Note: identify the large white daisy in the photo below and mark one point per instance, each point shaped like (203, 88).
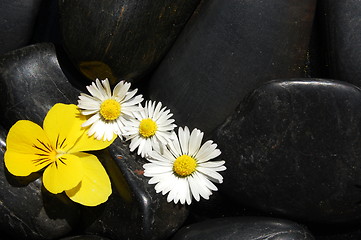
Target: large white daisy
(108, 111)
(183, 168)
(150, 127)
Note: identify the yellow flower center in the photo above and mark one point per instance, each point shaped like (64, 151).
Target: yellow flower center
(184, 166)
(53, 156)
(110, 109)
(147, 127)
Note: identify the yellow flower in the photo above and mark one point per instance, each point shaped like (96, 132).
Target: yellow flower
(58, 148)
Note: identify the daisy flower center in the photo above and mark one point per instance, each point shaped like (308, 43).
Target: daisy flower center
(147, 127)
(184, 166)
(110, 109)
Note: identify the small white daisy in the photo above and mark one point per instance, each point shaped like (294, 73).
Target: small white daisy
(183, 168)
(150, 127)
(109, 111)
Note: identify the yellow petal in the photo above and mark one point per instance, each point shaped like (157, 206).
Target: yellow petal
(20, 164)
(95, 188)
(63, 123)
(27, 148)
(64, 174)
(89, 143)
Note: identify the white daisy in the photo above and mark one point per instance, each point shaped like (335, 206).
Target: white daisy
(150, 127)
(183, 168)
(109, 111)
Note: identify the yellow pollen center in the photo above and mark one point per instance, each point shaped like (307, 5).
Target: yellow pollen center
(147, 127)
(184, 166)
(110, 109)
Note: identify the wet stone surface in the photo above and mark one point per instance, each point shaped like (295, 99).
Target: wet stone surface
(227, 49)
(32, 81)
(341, 24)
(121, 39)
(298, 141)
(85, 237)
(244, 228)
(17, 19)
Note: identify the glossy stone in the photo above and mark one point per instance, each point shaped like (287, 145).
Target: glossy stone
(31, 82)
(317, 65)
(243, 228)
(337, 232)
(85, 237)
(134, 210)
(121, 39)
(292, 148)
(27, 210)
(17, 19)
(218, 205)
(341, 24)
(226, 50)
(47, 24)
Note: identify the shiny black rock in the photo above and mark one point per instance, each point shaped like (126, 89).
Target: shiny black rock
(121, 39)
(292, 148)
(17, 20)
(226, 50)
(340, 24)
(85, 237)
(31, 82)
(244, 228)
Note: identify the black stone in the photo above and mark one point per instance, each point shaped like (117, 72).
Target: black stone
(27, 210)
(244, 228)
(17, 19)
(85, 237)
(217, 206)
(341, 24)
(134, 210)
(121, 39)
(336, 232)
(47, 24)
(226, 50)
(31, 82)
(292, 148)
(317, 65)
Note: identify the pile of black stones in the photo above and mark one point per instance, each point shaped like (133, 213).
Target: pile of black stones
(274, 83)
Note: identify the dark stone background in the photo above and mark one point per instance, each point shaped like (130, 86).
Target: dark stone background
(274, 83)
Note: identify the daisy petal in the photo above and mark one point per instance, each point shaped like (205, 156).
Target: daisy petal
(194, 188)
(121, 89)
(91, 120)
(202, 189)
(184, 139)
(213, 174)
(195, 141)
(106, 86)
